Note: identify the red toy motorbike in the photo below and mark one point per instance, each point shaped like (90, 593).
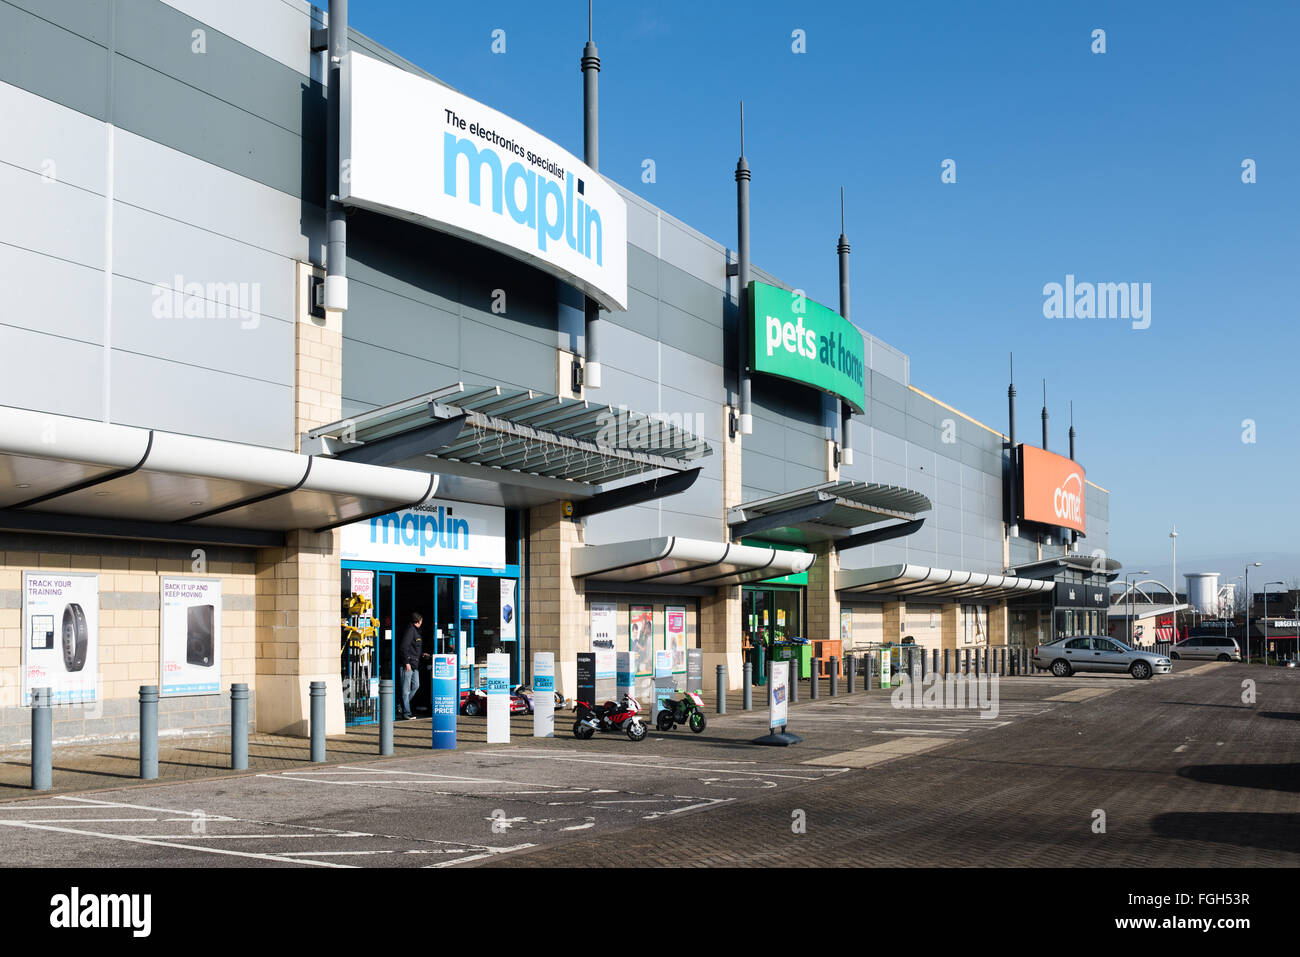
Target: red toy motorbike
(610, 717)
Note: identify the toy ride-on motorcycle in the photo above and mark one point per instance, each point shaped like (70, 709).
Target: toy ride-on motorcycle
(686, 707)
(610, 716)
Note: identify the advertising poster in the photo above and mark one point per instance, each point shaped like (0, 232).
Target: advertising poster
(509, 629)
(468, 596)
(640, 638)
(544, 694)
(61, 635)
(497, 687)
(886, 658)
(623, 676)
(676, 621)
(846, 625)
(604, 621)
(191, 636)
(446, 702)
(780, 694)
(665, 685)
(363, 585)
(606, 683)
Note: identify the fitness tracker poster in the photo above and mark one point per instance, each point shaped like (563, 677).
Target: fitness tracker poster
(604, 621)
(61, 635)
(191, 636)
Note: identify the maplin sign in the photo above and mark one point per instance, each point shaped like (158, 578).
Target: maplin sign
(443, 533)
(795, 338)
(415, 149)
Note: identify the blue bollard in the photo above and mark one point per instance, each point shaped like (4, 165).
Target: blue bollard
(149, 732)
(239, 727)
(318, 722)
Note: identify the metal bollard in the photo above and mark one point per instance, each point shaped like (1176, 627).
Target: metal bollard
(42, 740)
(921, 653)
(852, 673)
(318, 722)
(722, 689)
(815, 679)
(946, 656)
(149, 732)
(239, 727)
(966, 669)
(387, 692)
(934, 661)
(835, 676)
(747, 694)
(794, 680)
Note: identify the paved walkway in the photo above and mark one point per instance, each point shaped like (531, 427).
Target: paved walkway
(88, 767)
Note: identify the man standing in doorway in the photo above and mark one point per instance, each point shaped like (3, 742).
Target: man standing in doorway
(409, 656)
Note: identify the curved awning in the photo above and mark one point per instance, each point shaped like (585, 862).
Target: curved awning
(830, 511)
(54, 468)
(943, 584)
(685, 561)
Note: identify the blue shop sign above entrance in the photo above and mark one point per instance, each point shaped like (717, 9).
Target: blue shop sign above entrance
(439, 533)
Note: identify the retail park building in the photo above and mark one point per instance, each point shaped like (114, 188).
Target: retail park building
(486, 384)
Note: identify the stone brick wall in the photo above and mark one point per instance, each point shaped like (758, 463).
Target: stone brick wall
(129, 637)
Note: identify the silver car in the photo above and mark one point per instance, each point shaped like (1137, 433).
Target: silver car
(1065, 656)
(1210, 647)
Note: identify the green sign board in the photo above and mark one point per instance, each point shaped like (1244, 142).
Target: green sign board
(798, 339)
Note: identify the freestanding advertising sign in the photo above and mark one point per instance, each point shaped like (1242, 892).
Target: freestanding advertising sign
(587, 677)
(606, 680)
(61, 635)
(191, 636)
(886, 658)
(780, 710)
(446, 702)
(695, 670)
(544, 694)
(498, 698)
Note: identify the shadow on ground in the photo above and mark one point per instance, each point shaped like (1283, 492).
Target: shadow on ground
(1272, 777)
(1274, 832)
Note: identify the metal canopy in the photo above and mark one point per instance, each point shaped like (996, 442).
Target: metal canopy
(825, 512)
(887, 581)
(1074, 561)
(685, 561)
(515, 446)
(56, 469)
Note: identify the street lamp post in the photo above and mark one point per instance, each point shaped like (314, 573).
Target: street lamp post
(1128, 602)
(1173, 575)
(1246, 616)
(1264, 627)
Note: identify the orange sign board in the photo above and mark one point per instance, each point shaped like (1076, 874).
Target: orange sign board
(1051, 489)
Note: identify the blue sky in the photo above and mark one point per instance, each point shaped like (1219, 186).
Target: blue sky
(1115, 167)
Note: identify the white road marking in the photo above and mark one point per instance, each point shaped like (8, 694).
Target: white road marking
(664, 767)
(157, 843)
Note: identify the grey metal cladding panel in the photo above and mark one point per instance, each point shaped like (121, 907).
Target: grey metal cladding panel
(921, 433)
(691, 254)
(923, 408)
(496, 356)
(691, 294)
(642, 231)
(692, 526)
(46, 294)
(642, 271)
(169, 112)
(196, 401)
(376, 376)
(971, 455)
(85, 18)
(887, 421)
(245, 344)
(687, 333)
(889, 448)
(694, 376)
(702, 498)
(51, 218)
(77, 389)
(55, 63)
(950, 470)
(159, 37)
(806, 450)
(762, 475)
(405, 259)
(696, 415)
(620, 387)
(768, 438)
(888, 392)
(624, 525)
(627, 351)
(799, 475)
(641, 316)
(888, 361)
(381, 318)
